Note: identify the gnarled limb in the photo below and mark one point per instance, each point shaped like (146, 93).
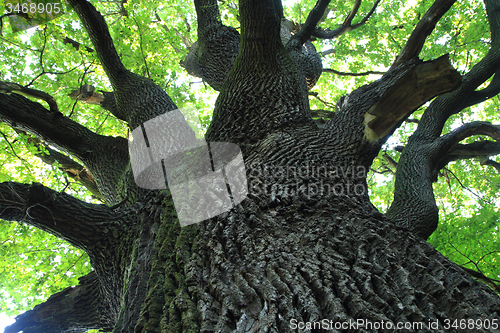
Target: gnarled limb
(103, 156)
(213, 55)
(479, 96)
(423, 29)
(393, 98)
(347, 25)
(448, 142)
(312, 20)
(479, 149)
(129, 88)
(424, 82)
(9, 87)
(414, 204)
(81, 224)
(444, 106)
(75, 309)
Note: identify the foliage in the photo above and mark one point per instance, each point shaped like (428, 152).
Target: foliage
(153, 38)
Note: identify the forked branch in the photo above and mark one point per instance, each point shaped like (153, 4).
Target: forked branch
(446, 145)
(312, 20)
(98, 31)
(347, 25)
(10, 87)
(423, 29)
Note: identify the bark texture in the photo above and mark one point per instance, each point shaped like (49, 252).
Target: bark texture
(306, 244)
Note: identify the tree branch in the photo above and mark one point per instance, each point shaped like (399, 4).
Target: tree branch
(75, 309)
(446, 145)
(53, 128)
(21, 113)
(492, 163)
(208, 17)
(423, 29)
(312, 20)
(9, 87)
(476, 149)
(414, 204)
(434, 118)
(70, 167)
(447, 142)
(212, 56)
(138, 99)
(347, 25)
(329, 70)
(482, 95)
(79, 223)
(98, 32)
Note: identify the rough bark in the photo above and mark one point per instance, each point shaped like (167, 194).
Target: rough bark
(306, 244)
(427, 151)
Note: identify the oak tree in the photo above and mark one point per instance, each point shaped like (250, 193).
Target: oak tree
(306, 244)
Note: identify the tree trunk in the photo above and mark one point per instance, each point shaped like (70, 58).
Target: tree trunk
(305, 251)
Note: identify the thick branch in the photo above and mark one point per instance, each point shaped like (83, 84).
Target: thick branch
(312, 20)
(482, 95)
(414, 204)
(105, 157)
(479, 149)
(423, 29)
(54, 128)
(347, 25)
(476, 149)
(75, 309)
(446, 145)
(259, 15)
(213, 55)
(9, 87)
(98, 31)
(450, 140)
(208, 17)
(80, 223)
(138, 99)
(443, 107)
